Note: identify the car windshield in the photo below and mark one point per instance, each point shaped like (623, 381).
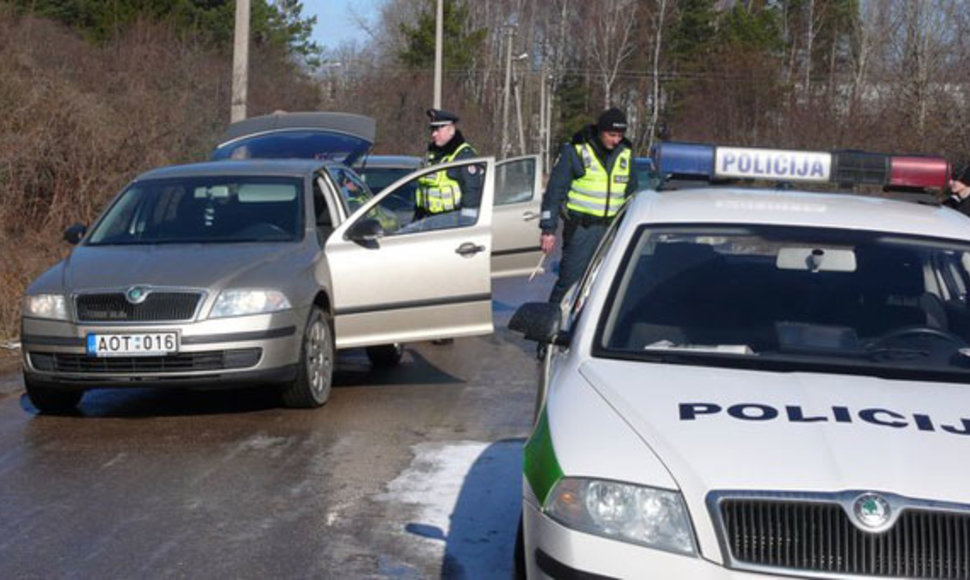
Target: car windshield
(203, 210)
(801, 298)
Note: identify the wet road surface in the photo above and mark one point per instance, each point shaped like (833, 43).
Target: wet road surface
(412, 472)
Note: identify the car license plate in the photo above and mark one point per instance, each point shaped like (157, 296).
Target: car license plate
(143, 344)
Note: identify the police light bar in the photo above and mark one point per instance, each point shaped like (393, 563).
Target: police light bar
(846, 168)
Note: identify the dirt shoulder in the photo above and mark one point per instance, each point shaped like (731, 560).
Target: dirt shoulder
(10, 380)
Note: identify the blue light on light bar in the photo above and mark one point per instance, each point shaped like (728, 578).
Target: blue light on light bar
(684, 159)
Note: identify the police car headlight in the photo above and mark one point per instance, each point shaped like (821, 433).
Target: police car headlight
(45, 306)
(242, 302)
(641, 515)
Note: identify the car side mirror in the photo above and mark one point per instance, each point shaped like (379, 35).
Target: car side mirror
(75, 233)
(366, 232)
(539, 321)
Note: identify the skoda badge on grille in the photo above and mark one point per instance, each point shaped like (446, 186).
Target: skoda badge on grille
(871, 510)
(137, 294)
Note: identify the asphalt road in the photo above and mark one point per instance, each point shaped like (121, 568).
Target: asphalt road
(412, 472)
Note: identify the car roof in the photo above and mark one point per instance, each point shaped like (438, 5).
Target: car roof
(239, 167)
(357, 125)
(733, 205)
(384, 161)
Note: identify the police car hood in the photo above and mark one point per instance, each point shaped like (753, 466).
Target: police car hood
(722, 429)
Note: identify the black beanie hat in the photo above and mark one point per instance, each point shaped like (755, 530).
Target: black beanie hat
(612, 119)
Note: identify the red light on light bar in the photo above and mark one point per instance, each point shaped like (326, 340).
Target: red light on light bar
(919, 172)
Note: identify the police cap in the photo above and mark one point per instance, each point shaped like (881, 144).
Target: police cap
(439, 117)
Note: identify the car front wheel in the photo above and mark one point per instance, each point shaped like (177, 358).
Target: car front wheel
(385, 356)
(52, 401)
(314, 378)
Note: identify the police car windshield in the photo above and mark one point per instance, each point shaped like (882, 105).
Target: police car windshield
(792, 298)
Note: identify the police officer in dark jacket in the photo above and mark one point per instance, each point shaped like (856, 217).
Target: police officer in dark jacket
(960, 192)
(591, 181)
(453, 189)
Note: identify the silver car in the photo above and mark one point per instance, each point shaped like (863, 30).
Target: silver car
(257, 271)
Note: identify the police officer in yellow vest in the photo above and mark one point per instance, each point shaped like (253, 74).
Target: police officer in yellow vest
(590, 182)
(453, 189)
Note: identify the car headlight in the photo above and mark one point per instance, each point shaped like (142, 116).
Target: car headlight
(641, 515)
(46, 306)
(242, 302)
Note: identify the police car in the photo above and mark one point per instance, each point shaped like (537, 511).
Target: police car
(759, 382)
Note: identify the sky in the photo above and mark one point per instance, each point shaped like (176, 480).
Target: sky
(335, 19)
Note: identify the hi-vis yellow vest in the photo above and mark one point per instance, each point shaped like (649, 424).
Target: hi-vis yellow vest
(436, 191)
(598, 192)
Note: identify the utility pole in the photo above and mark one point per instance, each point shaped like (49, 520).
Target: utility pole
(548, 158)
(240, 62)
(438, 48)
(518, 112)
(542, 110)
(505, 93)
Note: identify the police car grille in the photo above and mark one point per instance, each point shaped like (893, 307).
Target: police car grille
(808, 537)
(181, 362)
(158, 306)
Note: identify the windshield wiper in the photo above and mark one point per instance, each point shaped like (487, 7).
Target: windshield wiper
(893, 354)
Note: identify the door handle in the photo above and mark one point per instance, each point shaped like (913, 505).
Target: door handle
(469, 249)
(529, 216)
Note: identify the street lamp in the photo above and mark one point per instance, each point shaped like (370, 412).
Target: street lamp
(508, 90)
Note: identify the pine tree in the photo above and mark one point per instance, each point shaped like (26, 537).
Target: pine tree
(280, 23)
(461, 45)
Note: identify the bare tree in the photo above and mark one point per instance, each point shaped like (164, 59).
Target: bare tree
(658, 19)
(612, 39)
(811, 31)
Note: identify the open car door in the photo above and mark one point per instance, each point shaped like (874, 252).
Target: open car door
(518, 197)
(407, 280)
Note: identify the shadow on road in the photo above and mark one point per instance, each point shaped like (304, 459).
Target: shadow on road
(480, 540)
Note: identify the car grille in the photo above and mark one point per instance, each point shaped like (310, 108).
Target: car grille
(182, 362)
(818, 537)
(157, 307)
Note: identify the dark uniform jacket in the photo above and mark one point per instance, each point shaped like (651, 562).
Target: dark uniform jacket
(961, 205)
(570, 166)
(471, 177)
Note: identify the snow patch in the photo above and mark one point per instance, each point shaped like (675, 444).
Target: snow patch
(434, 479)
(463, 503)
